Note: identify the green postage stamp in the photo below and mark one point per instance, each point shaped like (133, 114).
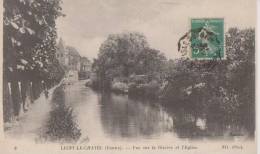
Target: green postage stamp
(207, 38)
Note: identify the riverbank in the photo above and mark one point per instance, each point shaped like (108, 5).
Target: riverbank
(30, 123)
(148, 90)
(79, 114)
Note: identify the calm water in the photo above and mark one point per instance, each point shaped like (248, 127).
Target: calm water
(93, 116)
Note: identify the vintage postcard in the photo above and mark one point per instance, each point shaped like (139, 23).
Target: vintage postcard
(128, 76)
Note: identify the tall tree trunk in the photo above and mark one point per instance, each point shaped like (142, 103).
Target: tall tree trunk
(16, 97)
(8, 107)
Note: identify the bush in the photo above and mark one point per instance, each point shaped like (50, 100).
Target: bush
(62, 126)
(119, 87)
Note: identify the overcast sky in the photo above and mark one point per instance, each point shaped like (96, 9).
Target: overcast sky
(88, 22)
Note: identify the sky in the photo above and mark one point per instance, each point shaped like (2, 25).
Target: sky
(88, 22)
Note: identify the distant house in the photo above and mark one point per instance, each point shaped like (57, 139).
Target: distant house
(85, 68)
(85, 64)
(68, 56)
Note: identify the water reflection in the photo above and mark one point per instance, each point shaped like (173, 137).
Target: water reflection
(81, 114)
(124, 117)
(128, 118)
(190, 125)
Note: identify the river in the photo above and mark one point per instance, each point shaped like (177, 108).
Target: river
(94, 116)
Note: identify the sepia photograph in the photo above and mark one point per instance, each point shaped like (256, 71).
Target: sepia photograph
(129, 76)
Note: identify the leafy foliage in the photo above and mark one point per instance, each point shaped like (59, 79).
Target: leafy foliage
(216, 88)
(123, 55)
(61, 125)
(30, 35)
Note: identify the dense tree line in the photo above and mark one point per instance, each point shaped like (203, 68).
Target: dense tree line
(30, 36)
(216, 90)
(125, 55)
(29, 39)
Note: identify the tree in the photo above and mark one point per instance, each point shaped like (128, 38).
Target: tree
(123, 55)
(119, 52)
(220, 90)
(29, 35)
(29, 39)
(241, 73)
